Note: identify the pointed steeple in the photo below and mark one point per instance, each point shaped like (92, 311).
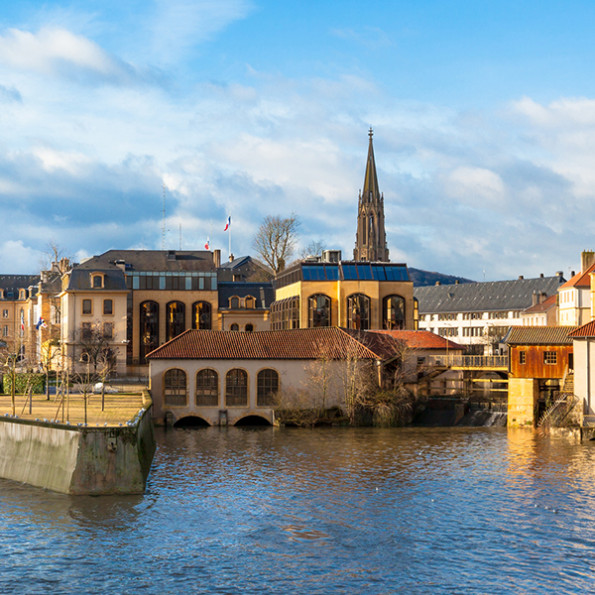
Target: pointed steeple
(370, 191)
(370, 239)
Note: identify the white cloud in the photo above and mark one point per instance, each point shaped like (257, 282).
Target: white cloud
(475, 185)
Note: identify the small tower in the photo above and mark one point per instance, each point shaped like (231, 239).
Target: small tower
(370, 238)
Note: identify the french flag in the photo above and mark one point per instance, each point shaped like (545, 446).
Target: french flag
(228, 223)
(207, 244)
(41, 324)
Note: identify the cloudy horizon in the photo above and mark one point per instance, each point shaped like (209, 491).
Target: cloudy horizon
(483, 123)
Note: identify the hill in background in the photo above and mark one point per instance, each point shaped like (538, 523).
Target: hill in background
(421, 278)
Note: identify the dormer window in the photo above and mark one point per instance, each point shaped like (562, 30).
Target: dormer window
(96, 281)
(234, 303)
(250, 302)
(22, 294)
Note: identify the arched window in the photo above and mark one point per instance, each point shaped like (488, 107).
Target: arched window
(358, 312)
(393, 312)
(149, 328)
(250, 302)
(319, 310)
(176, 320)
(236, 388)
(234, 327)
(249, 328)
(267, 387)
(234, 303)
(201, 315)
(174, 387)
(207, 388)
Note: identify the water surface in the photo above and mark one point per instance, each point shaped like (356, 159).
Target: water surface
(416, 510)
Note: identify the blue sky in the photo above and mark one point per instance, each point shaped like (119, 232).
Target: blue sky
(483, 113)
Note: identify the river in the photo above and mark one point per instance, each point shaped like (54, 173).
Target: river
(414, 510)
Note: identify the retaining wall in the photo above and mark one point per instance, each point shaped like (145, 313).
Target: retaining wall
(78, 460)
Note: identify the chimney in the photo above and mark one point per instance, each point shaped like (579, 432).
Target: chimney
(521, 277)
(438, 283)
(456, 281)
(587, 259)
(217, 258)
(541, 275)
(231, 258)
(534, 298)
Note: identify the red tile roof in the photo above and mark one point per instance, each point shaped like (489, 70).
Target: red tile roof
(422, 340)
(544, 306)
(313, 343)
(580, 279)
(540, 335)
(587, 330)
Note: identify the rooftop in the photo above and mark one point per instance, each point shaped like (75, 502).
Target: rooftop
(539, 335)
(484, 297)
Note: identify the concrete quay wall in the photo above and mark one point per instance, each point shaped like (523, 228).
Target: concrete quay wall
(78, 460)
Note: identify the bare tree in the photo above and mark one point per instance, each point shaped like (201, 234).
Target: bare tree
(314, 248)
(275, 240)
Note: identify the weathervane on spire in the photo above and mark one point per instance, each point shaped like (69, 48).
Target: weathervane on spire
(371, 133)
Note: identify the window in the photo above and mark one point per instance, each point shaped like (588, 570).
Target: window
(285, 314)
(176, 320)
(319, 310)
(86, 331)
(267, 386)
(108, 306)
(250, 302)
(174, 387)
(207, 388)
(522, 357)
(234, 327)
(4, 313)
(97, 281)
(149, 328)
(236, 388)
(234, 303)
(550, 358)
(5, 331)
(249, 328)
(393, 313)
(358, 312)
(87, 307)
(108, 330)
(201, 315)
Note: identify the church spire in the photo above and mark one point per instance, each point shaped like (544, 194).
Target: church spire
(370, 239)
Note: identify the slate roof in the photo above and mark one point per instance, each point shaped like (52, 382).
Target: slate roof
(582, 332)
(422, 340)
(263, 292)
(539, 335)
(484, 297)
(153, 260)
(12, 283)
(113, 280)
(301, 344)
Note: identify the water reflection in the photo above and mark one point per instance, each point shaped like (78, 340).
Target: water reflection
(320, 511)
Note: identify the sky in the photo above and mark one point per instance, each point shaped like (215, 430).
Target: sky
(145, 124)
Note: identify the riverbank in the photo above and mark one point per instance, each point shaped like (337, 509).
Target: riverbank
(109, 454)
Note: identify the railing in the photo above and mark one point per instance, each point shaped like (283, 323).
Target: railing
(469, 361)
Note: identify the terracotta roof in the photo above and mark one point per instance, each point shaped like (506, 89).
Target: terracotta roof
(544, 306)
(422, 339)
(540, 335)
(587, 330)
(580, 279)
(331, 342)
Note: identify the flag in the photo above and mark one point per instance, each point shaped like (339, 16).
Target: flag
(228, 223)
(207, 244)
(22, 322)
(41, 323)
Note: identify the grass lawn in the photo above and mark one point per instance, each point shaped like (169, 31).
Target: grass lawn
(119, 408)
